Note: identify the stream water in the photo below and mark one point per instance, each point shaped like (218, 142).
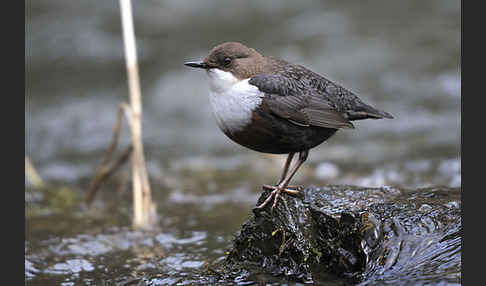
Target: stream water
(400, 56)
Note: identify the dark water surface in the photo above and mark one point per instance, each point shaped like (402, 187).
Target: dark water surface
(400, 56)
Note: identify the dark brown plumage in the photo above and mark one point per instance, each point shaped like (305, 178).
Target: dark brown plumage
(297, 109)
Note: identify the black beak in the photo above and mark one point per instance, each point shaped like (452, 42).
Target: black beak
(197, 64)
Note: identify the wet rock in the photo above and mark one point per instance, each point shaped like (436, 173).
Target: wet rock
(348, 235)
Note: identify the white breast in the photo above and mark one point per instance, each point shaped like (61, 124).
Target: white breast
(232, 100)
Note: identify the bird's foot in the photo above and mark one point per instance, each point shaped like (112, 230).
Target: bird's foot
(277, 190)
(291, 190)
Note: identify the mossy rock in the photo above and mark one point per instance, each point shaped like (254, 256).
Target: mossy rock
(345, 234)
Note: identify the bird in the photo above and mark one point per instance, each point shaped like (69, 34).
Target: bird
(273, 106)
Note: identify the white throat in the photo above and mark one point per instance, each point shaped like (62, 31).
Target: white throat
(232, 100)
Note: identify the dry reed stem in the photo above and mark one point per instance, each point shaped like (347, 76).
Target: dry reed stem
(144, 209)
(105, 172)
(106, 169)
(32, 174)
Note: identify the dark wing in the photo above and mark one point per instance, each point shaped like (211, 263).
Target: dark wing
(346, 101)
(300, 104)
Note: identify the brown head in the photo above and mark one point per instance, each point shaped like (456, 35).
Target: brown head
(234, 57)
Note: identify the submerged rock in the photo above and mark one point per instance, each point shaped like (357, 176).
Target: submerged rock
(350, 235)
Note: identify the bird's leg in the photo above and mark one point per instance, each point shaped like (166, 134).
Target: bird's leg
(282, 186)
(284, 173)
(286, 167)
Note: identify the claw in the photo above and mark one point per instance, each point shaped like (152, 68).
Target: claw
(277, 190)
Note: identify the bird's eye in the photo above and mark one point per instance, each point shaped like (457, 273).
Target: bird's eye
(227, 61)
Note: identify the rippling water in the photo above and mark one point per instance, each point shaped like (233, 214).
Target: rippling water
(403, 57)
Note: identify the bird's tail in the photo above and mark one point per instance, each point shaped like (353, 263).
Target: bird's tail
(365, 111)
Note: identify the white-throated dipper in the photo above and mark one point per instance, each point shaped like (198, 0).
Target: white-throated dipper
(272, 106)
